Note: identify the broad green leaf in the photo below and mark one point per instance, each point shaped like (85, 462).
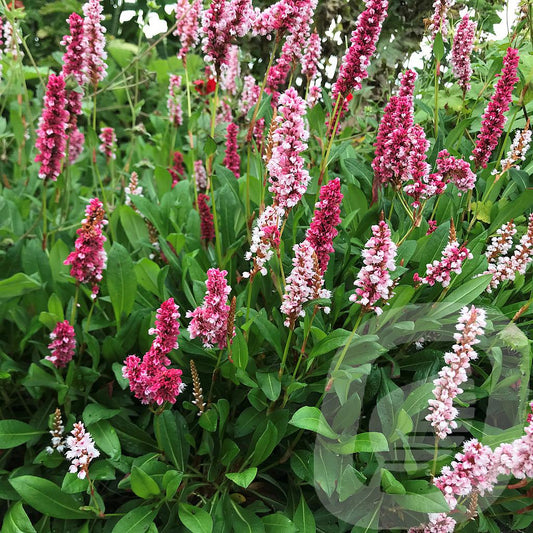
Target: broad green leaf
(47, 498)
(371, 442)
(209, 420)
(244, 478)
(94, 412)
(143, 485)
(195, 519)
(312, 419)
(438, 47)
(239, 350)
(270, 384)
(105, 438)
(303, 518)
(431, 501)
(265, 444)
(170, 429)
(334, 340)
(245, 521)
(14, 432)
(461, 297)
(121, 280)
(17, 285)
(139, 520)
(16, 520)
(390, 484)
(278, 523)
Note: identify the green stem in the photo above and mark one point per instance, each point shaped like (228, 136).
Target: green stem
(437, 68)
(45, 216)
(285, 352)
(188, 89)
(304, 344)
(213, 378)
(435, 456)
(249, 299)
(74, 305)
(349, 342)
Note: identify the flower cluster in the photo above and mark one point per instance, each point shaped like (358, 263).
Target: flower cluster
(63, 344)
(373, 282)
(288, 177)
(51, 135)
(463, 44)
(265, 238)
(442, 412)
(151, 381)
(456, 170)
(188, 20)
(210, 321)
(516, 457)
(471, 471)
(312, 56)
(232, 161)
(175, 113)
(355, 62)
(438, 523)
(304, 283)
(89, 258)
(249, 95)
(392, 145)
(207, 230)
(221, 23)
(517, 152)
(94, 42)
(322, 230)
(133, 189)
(494, 119)
(200, 175)
(231, 71)
(177, 170)
(502, 242)
(109, 140)
(506, 267)
(58, 438)
(452, 259)
(80, 450)
(438, 20)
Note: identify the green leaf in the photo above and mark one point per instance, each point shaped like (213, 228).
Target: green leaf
(209, 420)
(121, 51)
(390, 484)
(17, 285)
(244, 478)
(265, 444)
(95, 412)
(239, 350)
(121, 280)
(170, 429)
(47, 498)
(270, 384)
(195, 519)
(16, 520)
(14, 432)
(334, 340)
(371, 442)
(139, 520)
(311, 418)
(210, 146)
(278, 523)
(460, 297)
(431, 501)
(438, 47)
(303, 518)
(143, 485)
(105, 438)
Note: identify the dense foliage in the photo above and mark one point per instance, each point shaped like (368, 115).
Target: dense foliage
(235, 297)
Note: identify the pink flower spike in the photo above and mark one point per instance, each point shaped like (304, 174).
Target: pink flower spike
(75, 145)
(188, 20)
(232, 161)
(88, 260)
(207, 230)
(453, 257)
(442, 412)
(51, 135)
(312, 56)
(494, 118)
(327, 215)
(109, 141)
(94, 42)
(80, 450)
(463, 45)
(73, 59)
(63, 344)
(200, 175)
(166, 327)
(288, 177)
(456, 170)
(439, 22)
(356, 60)
(231, 71)
(210, 321)
(304, 283)
(175, 113)
(373, 281)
